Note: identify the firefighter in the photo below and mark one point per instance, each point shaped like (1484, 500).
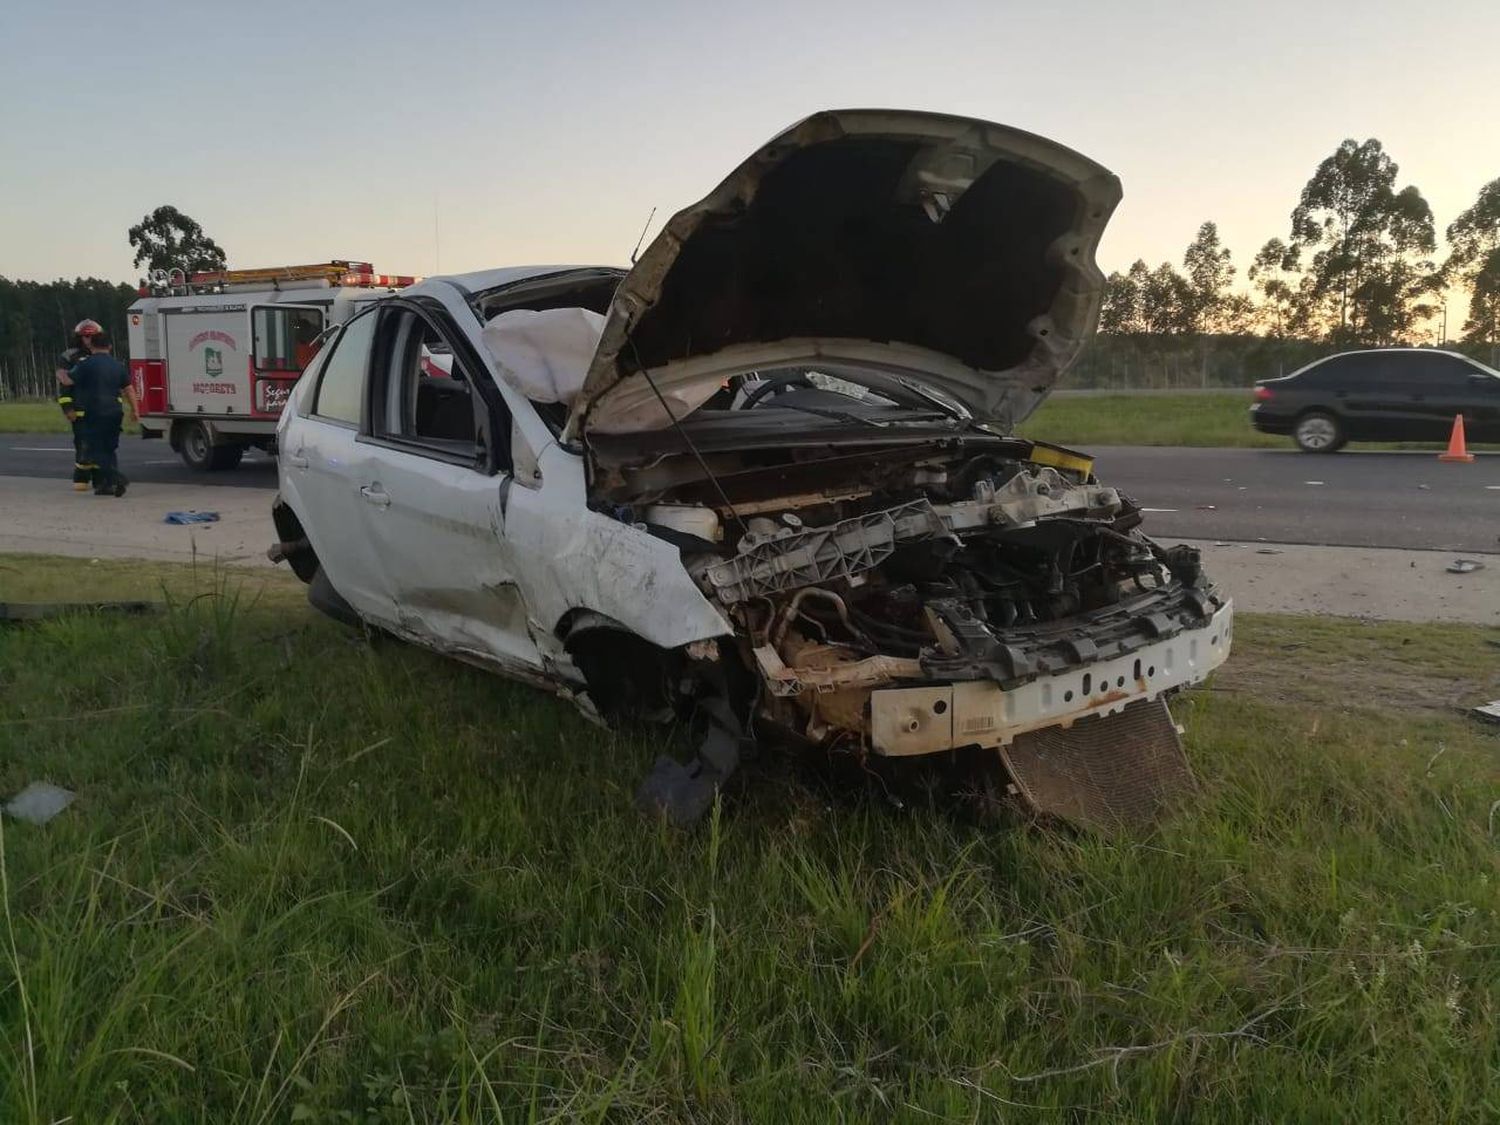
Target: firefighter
(83, 332)
(99, 383)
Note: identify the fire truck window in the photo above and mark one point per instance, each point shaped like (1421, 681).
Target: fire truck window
(285, 338)
(342, 385)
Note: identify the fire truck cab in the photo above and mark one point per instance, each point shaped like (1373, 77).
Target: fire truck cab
(214, 356)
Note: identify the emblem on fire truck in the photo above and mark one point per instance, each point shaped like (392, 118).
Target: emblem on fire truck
(213, 361)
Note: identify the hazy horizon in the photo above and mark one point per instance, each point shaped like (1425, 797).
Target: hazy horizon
(456, 137)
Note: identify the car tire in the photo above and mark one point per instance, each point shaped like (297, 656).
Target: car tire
(1318, 432)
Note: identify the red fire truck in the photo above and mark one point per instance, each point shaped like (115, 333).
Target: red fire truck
(214, 356)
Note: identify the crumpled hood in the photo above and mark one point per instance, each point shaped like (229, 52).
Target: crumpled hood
(949, 250)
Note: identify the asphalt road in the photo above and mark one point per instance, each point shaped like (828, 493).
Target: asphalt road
(1355, 499)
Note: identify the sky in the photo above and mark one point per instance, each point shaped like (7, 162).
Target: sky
(441, 137)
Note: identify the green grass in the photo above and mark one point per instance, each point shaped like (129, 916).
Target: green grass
(1160, 419)
(1218, 419)
(37, 418)
(311, 878)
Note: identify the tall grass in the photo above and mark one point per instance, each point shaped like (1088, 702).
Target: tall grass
(311, 878)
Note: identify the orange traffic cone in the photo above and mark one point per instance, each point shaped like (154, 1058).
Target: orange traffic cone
(1457, 449)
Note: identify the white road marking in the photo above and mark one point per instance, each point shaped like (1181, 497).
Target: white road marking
(1158, 509)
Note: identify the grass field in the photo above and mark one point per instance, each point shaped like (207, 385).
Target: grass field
(314, 878)
(1159, 419)
(35, 418)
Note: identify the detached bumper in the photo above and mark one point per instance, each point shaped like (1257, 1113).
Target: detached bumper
(928, 720)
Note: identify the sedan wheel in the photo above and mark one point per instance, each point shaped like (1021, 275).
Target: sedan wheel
(1318, 433)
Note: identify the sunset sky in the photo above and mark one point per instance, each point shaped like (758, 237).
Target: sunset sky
(453, 136)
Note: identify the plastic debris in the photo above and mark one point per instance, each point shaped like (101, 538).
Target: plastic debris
(1489, 712)
(191, 517)
(1268, 551)
(39, 802)
(1464, 566)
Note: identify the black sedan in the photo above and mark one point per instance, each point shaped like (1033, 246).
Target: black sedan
(1386, 394)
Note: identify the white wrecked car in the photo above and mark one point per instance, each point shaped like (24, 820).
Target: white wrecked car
(767, 474)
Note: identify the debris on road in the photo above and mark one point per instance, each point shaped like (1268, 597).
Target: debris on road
(1312, 482)
(1207, 507)
(1489, 712)
(1464, 566)
(1268, 550)
(39, 802)
(191, 517)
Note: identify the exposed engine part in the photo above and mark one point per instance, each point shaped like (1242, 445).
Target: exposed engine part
(778, 558)
(686, 519)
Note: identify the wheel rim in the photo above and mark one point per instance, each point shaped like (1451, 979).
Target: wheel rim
(1316, 433)
(197, 444)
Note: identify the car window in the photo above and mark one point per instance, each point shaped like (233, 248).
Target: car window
(428, 397)
(1450, 372)
(1335, 372)
(341, 385)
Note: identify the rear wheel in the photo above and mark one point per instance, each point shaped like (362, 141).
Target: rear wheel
(196, 445)
(1318, 432)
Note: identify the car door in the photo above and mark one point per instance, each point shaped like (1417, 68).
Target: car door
(433, 491)
(1373, 397)
(322, 467)
(1450, 385)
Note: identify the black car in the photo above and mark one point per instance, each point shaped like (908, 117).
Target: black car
(1386, 394)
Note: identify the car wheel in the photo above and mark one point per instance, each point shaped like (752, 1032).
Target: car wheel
(1317, 432)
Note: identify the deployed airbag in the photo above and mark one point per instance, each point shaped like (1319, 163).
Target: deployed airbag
(544, 353)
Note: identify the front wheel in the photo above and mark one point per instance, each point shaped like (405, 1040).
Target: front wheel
(1317, 432)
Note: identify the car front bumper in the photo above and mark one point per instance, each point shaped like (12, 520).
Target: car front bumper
(927, 720)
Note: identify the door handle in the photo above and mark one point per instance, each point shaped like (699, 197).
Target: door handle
(296, 460)
(376, 495)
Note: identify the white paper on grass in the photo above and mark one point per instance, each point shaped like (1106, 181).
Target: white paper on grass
(544, 353)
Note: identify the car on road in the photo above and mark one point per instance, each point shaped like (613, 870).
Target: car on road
(768, 478)
(1382, 394)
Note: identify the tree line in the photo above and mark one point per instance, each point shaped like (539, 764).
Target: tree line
(1356, 269)
(37, 317)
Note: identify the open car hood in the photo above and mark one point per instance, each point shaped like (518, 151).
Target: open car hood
(951, 251)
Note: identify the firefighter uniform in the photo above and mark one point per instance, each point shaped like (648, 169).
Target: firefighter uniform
(98, 382)
(83, 468)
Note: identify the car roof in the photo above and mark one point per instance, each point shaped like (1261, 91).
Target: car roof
(1401, 351)
(480, 280)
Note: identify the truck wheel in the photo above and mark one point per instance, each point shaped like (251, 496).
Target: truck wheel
(225, 456)
(200, 453)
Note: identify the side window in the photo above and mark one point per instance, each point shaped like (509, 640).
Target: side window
(1450, 373)
(428, 394)
(1332, 374)
(285, 337)
(341, 386)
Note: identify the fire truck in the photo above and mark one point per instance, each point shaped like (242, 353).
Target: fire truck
(214, 355)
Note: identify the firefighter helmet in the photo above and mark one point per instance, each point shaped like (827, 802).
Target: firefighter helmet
(87, 328)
